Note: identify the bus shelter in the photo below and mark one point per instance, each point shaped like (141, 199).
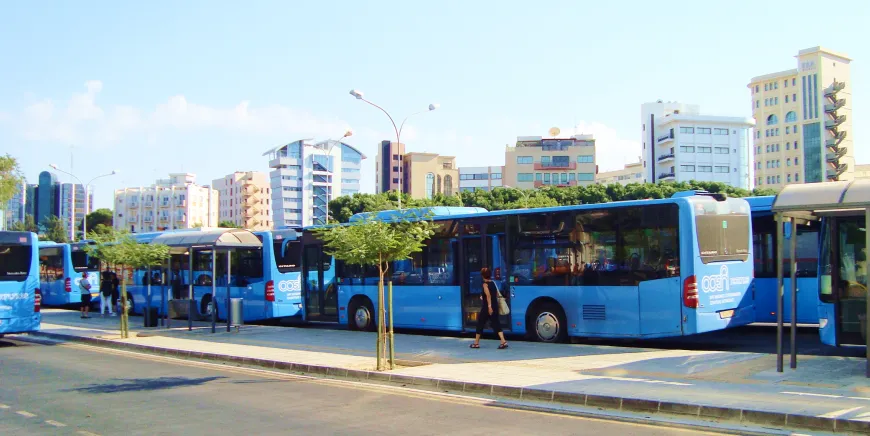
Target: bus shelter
(212, 241)
(839, 281)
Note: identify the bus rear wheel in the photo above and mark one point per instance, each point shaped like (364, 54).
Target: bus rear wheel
(206, 306)
(362, 315)
(548, 324)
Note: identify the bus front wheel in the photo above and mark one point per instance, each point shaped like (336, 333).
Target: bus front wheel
(548, 324)
(362, 315)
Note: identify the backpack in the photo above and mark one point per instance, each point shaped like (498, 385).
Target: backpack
(106, 288)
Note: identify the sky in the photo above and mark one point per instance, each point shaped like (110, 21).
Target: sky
(206, 87)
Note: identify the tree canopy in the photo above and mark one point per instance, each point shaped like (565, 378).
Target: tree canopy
(119, 248)
(10, 179)
(55, 230)
(28, 225)
(100, 221)
(229, 225)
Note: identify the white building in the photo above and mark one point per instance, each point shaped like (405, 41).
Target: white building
(72, 198)
(174, 203)
(480, 178)
(632, 173)
(245, 199)
(680, 144)
(307, 175)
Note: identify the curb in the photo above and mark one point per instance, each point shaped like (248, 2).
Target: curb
(775, 420)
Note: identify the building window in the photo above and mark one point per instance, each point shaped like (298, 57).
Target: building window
(705, 149)
(788, 162)
(758, 134)
(787, 130)
(794, 97)
(539, 177)
(765, 87)
(526, 177)
(788, 178)
(687, 130)
(786, 98)
(796, 161)
(496, 176)
(720, 131)
(585, 159)
(765, 102)
(722, 150)
(778, 179)
(430, 185)
(585, 177)
(797, 177)
(757, 104)
(791, 117)
(795, 145)
(687, 149)
(792, 82)
(721, 169)
(687, 168)
(777, 131)
(705, 169)
(524, 160)
(772, 120)
(572, 177)
(787, 146)
(756, 88)
(704, 130)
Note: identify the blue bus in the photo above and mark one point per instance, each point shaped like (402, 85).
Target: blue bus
(60, 272)
(631, 269)
(20, 298)
(268, 278)
(764, 250)
(843, 281)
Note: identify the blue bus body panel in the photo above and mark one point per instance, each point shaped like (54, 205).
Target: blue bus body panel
(807, 298)
(827, 324)
(17, 298)
(418, 307)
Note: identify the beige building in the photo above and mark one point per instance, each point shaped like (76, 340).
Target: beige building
(803, 117)
(862, 171)
(427, 174)
(632, 173)
(169, 204)
(245, 200)
(536, 161)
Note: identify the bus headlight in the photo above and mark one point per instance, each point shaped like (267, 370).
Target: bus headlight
(823, 322)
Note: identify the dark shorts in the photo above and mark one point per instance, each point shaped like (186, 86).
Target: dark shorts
(86, 300)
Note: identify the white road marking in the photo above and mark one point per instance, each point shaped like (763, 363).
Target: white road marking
(859, 398)
(25, 414)
(839, 413)
(862, 417)
(55, 423)
(87, 433)
(807, 394)
(3, 406)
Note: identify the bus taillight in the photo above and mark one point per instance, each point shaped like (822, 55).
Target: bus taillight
(690, 292)
(37, 301)
(270, 291)
(67, 285)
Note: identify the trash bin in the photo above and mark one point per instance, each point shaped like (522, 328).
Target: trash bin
(151, 317)
(236, 317)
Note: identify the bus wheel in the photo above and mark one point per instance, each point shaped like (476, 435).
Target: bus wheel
(362, 316)
(549, 323)
(131, 309)
(206, 306)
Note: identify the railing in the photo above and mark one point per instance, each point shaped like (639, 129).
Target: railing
(835, 122)
(835, 88)
(664, 138)
(539, 183)
(666, 157)
(133, 204)
(556, 165)
(148, 219)
(836, 105)
(667, 175)
(149, 203)
(181, 203)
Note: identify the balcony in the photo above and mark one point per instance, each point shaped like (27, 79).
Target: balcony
(148, 219)
(834, 88)
(832, 124)
(665, 138)
(667, 176)
(556, 165)
(835, 172)
(281, 161)
(133, 205)
(180, 203)
(829, 108)
(838, 138)
(666, 157)
(149, 203)
(834, 156)
(164, 219)
(539, 184)
(165, 204)
(132, 219)
(181, 218)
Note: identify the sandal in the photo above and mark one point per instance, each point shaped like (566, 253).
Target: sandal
(503, 346)
(474, 346)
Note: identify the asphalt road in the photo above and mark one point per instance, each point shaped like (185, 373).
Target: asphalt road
(73, 389)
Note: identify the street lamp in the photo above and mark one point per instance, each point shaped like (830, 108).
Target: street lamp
(329, 154)
(359, 96)
(87, 187)
(521, 191)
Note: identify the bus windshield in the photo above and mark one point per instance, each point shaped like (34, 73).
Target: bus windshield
(723, 230)
(82, 262)
(14, 262)
(287, 255)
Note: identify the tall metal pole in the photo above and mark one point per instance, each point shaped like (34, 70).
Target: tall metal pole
(779, 290)
(213, 288)
(165, 295)
(793, 266)
(190, 292)
(867, 297)
(229, 277)
(392, 344)
(148, 300)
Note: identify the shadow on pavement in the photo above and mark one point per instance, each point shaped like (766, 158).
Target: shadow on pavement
(143, 384)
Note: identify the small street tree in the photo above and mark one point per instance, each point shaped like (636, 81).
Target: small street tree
(229, 225)
(120, 249)
(10, 178)
(55, 230)
(376, 243)
(28, 225)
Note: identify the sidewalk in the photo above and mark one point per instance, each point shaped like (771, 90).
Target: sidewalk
(824, 393)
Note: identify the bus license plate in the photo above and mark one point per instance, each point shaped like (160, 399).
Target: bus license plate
(725, 314)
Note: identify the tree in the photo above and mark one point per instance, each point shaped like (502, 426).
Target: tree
(229, 225)
(55, 230)
(374, 242)
(10, 178)
(28, 225)
(121, 250)
(99, 220)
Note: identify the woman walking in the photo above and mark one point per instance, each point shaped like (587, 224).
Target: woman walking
(489, 310)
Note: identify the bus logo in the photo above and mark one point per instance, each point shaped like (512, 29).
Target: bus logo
(716, 282)
(290, 286)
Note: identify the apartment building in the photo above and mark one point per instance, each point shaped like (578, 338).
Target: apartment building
(428, 174)
(536, 161)
(680, 144)
(245, 199)
(169, 204)
(307, 175)
(804, 119)
(480, 178)
(631, 173)
(389, 166)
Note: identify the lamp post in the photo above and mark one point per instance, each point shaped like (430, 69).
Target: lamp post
(521, 191)
(87, 187)
(328, 155)
(359, 96)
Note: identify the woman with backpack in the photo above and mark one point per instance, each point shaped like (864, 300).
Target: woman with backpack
(106, 294)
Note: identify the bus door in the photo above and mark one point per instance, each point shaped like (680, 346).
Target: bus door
(320, 290)
(848, 280)
(478, 249)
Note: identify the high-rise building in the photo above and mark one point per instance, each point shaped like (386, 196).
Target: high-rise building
(631, 173)
(388, 166)
(16, 207)
(480, 178)
(428, 174)
(536, 161)
(680, 144)
(245, 199)
(804, 121)
(64, 200)
(307, 175)
(72, 206)
(169, 204)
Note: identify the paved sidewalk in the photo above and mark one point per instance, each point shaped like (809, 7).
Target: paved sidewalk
(825, 393)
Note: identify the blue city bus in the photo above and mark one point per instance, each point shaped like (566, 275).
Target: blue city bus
(631, 269)
(20, 298)
(764, 250)
(267, 278)
(60, 272)
(843, 281)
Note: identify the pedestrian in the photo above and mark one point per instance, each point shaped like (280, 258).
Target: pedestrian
(116, 290)
(106, 288)
(85, 288)
(489, 310)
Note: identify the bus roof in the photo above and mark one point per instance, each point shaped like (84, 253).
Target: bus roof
(417, 213)
(760, 204)
(15, 238)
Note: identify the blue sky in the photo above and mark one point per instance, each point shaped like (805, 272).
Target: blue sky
(206, 87)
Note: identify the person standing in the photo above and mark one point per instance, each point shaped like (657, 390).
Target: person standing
(85, 289)
(106, 289)
(116, 290)
(489, 310)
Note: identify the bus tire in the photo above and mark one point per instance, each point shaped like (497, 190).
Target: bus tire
(205, 306)
(361, 315)
(547, 323)
(131, 308)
